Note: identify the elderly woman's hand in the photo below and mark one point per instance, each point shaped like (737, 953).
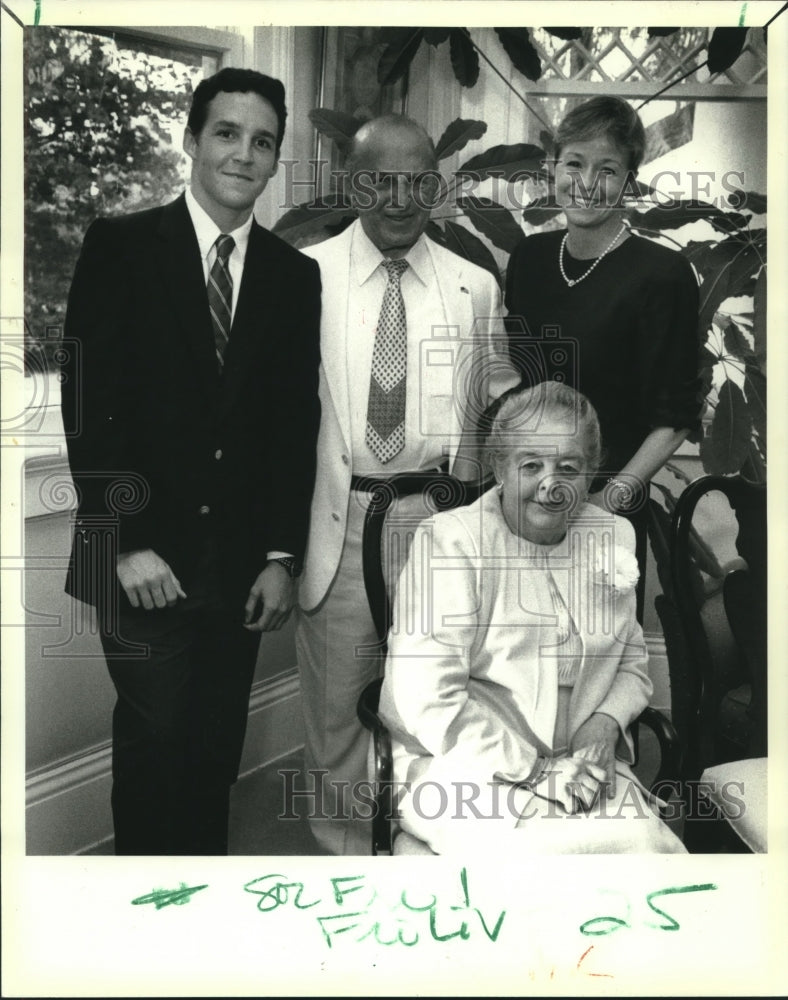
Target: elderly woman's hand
(573, 782)
(595, 741)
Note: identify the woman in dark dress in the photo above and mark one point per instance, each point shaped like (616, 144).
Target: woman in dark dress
(611, 313)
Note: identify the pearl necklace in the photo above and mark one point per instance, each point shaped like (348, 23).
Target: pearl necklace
(608, 248)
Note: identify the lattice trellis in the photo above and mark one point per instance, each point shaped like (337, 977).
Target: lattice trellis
(608, 55)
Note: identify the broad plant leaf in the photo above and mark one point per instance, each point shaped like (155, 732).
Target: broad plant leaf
(518, 46)
(697, 253)
(336, 125)
(493, 221)
(726, 446)
(750, 201)
(732, 266)
(706, 363)
(736, 344)
(465, 243)
(754, 469)
(393, 33)
(566, 34)
(312, 217)
(725, 47)
(729, 222)
(712, 259)
(538, 216)
(755, 394)
(457, 135)
(506, 161)
(707, 357)
(676, 213)
(435, 233)
(436, 36)
(464, 58)
(398, 54)
(642, 190)
(335, 228)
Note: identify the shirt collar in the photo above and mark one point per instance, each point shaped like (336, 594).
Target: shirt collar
(207, 230)
(366, 257)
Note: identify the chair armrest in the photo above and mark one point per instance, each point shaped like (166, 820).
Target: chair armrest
(669, 746)
(367, 711)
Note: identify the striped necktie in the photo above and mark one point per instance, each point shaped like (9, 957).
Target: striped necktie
(385, 434)
(220, 295)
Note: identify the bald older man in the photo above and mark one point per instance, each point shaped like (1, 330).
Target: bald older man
(390, 404)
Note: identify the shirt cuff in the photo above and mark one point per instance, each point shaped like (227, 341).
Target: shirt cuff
(279, 555)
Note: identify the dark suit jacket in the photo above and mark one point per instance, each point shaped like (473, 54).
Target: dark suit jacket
(166, 450)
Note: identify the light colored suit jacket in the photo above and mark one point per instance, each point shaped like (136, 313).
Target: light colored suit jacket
(474, 339)
(470, 691)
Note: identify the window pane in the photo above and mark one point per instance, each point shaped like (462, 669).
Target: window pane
(104, 116)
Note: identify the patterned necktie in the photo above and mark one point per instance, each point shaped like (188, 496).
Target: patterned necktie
(220, 295)
(386, 408)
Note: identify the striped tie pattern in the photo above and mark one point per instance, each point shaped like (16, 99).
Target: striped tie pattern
(220, 295)
(385, 434)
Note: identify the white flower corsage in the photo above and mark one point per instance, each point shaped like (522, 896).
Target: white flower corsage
(616, 567)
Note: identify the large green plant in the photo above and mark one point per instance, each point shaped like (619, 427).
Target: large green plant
(729, 258)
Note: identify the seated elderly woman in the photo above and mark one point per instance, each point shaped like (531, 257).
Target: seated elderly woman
(509, 706)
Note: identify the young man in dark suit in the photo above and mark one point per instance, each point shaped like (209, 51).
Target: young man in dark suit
(194, 391)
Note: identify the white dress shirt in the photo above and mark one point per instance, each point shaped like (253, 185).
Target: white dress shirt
(425, 316)
(207, 231)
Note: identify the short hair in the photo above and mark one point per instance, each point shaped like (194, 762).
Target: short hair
(381, 123)
(611, 116)
(230, 81)
(520, 413)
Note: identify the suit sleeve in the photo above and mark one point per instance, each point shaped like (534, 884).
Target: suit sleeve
(286, 485)
(94, 397)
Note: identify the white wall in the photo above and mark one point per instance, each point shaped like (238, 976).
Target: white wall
(729, 138)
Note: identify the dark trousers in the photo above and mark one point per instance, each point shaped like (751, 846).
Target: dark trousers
(179, 721)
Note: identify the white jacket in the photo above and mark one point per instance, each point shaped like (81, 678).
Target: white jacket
(472, 305)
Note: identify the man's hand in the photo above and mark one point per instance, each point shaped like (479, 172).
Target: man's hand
(595, 741)
(147, 580)
(274, 591)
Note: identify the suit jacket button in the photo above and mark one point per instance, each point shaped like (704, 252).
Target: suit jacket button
(335, 515)
(218, 454)
(205, 509)
(346, 460)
